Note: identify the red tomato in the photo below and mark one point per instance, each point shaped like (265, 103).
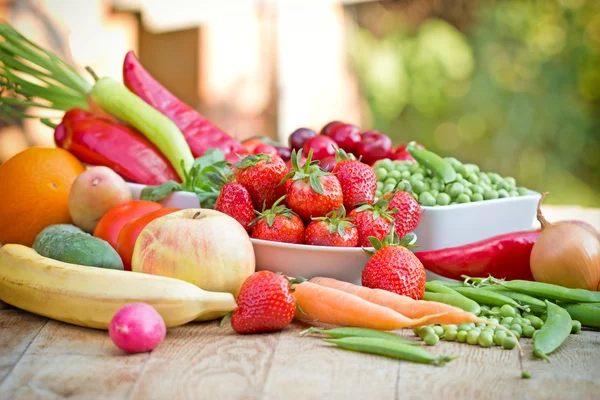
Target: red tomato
(113, 221)
(251, 143)
(131, 231)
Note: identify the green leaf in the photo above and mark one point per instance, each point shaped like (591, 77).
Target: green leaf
(315, 184)
(407, 239)
(376, 243)
(157, 193)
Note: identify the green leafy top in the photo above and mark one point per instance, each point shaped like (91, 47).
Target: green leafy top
(252, 160)
(392, 239)
(274, 211)
(337, 221)
(379, 208)
(310, 170)
(206, 178)
(341, 155)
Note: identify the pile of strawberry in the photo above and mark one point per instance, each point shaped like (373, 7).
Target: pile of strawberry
(304, 204)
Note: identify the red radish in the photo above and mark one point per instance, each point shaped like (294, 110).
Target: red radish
(347, 136)
(299, 136)
(322, 147)
(137, 328)
(374, 146)
(327, 128)
(265, 148)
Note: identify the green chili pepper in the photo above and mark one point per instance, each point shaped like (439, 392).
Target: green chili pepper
(547, 291)
(454, 300)
(533, 303)
(487, 297)
(586, 313)
(390, 348)
(360, 332)
(553, 333)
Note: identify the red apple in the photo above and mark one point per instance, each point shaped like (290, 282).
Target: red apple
(204, 247)
(374, 146)
(322, 147)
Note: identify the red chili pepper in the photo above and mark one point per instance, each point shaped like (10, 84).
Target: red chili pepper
(97, 141)
(199, 133)
(503, 257)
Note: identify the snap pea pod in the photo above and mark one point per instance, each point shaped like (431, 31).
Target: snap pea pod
(553, 333)
(533, 303)
(433, 162)
(438, 287)
(547, 291)
(360, 332)
(389, 348)
(487, 297)
(450, 284)
(454, 300)
(586, 313)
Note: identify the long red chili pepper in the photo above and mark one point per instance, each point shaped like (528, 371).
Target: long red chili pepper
(95, 140)
(199, 133)
(503, 257)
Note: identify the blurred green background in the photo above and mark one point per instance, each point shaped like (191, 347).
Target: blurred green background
(514, 86)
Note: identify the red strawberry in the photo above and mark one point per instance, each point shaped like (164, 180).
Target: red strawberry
(358, 180)
(278, 224)
(333, 230)
(260, 174)
(234, 200)
(395, 268)
(265, 304)
(372, 220)
(313, 192)
(408, 216)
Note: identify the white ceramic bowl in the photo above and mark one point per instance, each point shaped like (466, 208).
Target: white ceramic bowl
(440, 227)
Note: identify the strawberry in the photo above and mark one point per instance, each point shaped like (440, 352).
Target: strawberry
(358, 180)
(265, 304)
(234, 200)
(260, 174)
(332, 230)
(313, 192)
(372, 220)
(395, 268)
(408, 216)
(278, 224)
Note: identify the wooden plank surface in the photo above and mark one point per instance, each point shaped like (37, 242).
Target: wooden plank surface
(44, 359)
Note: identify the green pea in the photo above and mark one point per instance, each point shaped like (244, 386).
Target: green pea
(506, 321)
(484, 309)
(426, 199)
(390, 181)
(396, 175)
(406, 174)
(433, 192)
(455, 189)
(438, 330)
(463, 198)
(381, 173)
(459, 177)
(516, 328)
(502, 193)
(495, 178)
(525, 321)
(453, 161)
(437, 185)
(507, 311)
(489, 328)
(473, 178)
(476, 189)
(501, 184)
(415, 196)
(490, 195)
(468, 192)
(485, 339)
(480, 325)
(400, 167)
(485, 178)
(414, 168)
(431, 339)
(418, 186)
(450, 327)
(442, 199)
(378, 193)
(526, 313)
(528, 331)
(473, 336)
(516, 333)
(575, 326)
(522, 191)
(543, 316)
(510, 180)
(499, 335)
(496, 310)
(379, 185)
(388, 188)
(464, 327)
(509, 342)
(427, 330)
(450, 335)
(513, 193)
(417, 176)
(461, 336)
(494, 321)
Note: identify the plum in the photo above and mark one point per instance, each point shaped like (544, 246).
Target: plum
(299, 136)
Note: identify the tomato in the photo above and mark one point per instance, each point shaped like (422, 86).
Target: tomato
(131, 231)
(251, 143)
(113, 221)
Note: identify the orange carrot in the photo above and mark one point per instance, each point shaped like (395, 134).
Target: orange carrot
(439, 313)
(331, 306)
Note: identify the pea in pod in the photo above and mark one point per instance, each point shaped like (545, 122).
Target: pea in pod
(533, 303)
(586, 313)
(391, 349)
(553, 333)
(433, 162)
(547, 291)
(487, 297)
(454, 300)
(360, 332)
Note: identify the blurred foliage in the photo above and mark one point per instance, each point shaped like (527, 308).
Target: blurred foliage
(518, 93)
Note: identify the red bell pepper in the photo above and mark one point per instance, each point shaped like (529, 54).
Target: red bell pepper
(95, 140)
(503, 257)
(199, 133)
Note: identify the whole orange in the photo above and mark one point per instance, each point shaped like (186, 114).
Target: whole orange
(34, 192)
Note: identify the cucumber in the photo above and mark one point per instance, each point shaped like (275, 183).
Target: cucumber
(68, 243)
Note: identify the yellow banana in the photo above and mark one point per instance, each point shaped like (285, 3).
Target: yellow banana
(90, 296)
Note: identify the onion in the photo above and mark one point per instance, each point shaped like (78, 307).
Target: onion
(566, 254)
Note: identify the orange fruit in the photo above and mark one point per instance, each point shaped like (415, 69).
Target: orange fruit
(34, 192)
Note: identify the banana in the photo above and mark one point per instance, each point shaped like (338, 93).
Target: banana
(90, 297)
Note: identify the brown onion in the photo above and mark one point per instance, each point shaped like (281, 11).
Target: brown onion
(566, 254)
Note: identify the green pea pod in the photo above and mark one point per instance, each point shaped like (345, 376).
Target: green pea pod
(533, 303)
(487, 297)
(360, 332)
(438, 287)
(433, 162)
(391, 349)
(553, 333)
(586, 313)
(117, 100)
(547, 291)
(454, 300)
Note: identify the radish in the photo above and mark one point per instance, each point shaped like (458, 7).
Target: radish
(137, 328)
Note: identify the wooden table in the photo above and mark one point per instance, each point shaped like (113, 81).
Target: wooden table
(45, 359)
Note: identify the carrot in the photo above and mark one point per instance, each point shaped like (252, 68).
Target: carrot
(318, 303)
(439, 313)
